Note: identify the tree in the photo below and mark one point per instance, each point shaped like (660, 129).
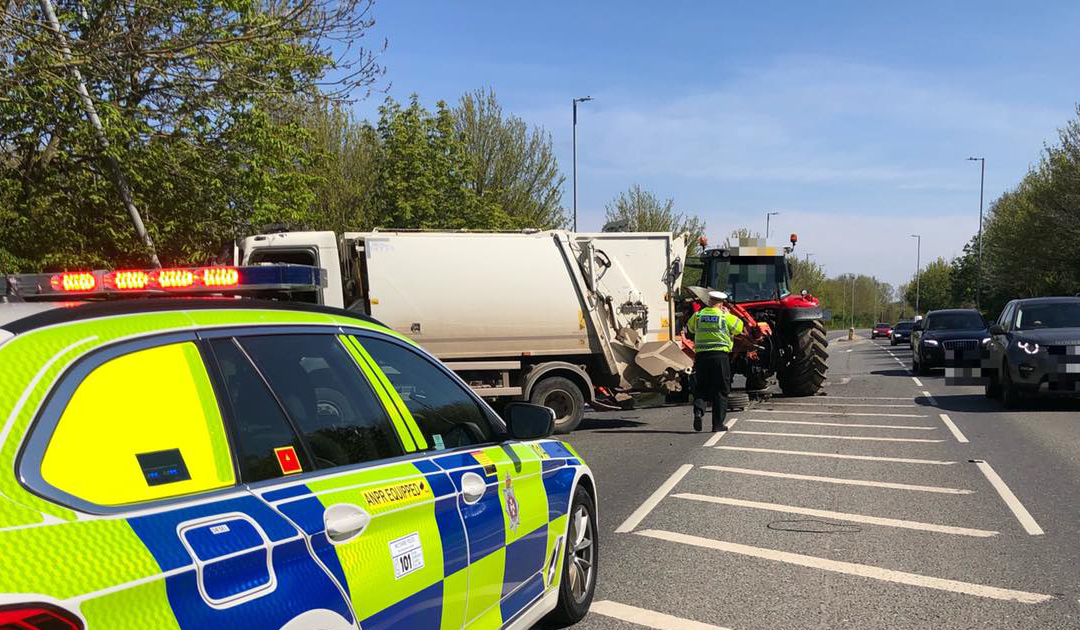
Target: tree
(510, 165)
(186, 92)
(422, 166)
(644, 212)
(738, 234)
(806, 274)
(934, 287)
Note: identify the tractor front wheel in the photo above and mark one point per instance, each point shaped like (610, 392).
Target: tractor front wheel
(804, 373)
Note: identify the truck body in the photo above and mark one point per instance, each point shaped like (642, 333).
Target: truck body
(554, 317)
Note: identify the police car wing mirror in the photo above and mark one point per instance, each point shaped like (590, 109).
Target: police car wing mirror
(527, 421)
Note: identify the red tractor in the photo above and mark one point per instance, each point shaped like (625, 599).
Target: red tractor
(786, 334)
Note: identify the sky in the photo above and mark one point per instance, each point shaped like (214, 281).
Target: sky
(853, 120)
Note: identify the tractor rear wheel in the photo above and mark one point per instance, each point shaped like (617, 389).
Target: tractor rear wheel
(804, 373)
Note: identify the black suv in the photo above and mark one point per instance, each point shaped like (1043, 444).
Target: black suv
(1035, 347)
(959, 329)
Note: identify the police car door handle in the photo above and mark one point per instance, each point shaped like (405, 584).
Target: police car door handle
(344, 522)
(473, 487)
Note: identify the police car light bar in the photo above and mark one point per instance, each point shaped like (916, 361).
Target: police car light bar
(186, 281)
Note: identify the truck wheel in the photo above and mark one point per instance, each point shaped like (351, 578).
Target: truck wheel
(578, 581)
(563, 397)
(804, 374)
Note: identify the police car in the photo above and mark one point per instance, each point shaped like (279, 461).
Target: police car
(217, 462)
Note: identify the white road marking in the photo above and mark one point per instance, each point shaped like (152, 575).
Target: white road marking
(1014, 504)
(648, 618)
(842, 413)
(847, 424)
(953, 428)
(876, 458)
(929, 397)
(826, 404)
(840, 437)
(849, 350)
(917, 381)
(719, 434)
(850, 568)
(643, 510)
(840, 516)
(839, 480)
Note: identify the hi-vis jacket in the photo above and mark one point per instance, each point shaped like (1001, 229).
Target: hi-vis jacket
(713, 329)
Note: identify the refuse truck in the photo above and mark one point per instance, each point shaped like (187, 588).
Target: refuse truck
(557, 318)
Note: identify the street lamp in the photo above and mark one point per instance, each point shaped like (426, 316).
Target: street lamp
(806, 256)
(851, 317)
(982, 181)
(768, 215)
(918, 270)
(576, 101)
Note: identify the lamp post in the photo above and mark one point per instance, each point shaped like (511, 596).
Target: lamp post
(918, 269)
(806, 256)
(852, 315)
(982, 181)
(768, 215)
(576, 101)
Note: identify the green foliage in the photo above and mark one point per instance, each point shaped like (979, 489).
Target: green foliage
(509, 165)
(185, 92)
(644, 212)
(934, 287)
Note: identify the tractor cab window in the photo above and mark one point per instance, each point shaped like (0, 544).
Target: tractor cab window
(751, 278)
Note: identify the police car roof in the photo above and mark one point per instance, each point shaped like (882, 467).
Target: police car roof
(20, 317)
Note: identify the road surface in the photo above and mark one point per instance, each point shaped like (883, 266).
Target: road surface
(891, 502)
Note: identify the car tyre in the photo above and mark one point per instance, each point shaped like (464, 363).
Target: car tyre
(992, 389)
(580, 556)
(892, 342)
(1010, 393)
(562, 396)
(916, 364)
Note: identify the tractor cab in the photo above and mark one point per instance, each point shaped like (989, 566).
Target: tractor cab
(752, 271)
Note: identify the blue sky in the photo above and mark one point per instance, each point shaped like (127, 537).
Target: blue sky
(852, 119)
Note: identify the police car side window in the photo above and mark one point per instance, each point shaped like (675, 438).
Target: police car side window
(266, 445)
(448, 416)
(141, 427)
(326, 396)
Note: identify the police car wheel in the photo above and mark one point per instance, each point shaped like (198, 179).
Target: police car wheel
(563, 397)
(580, 561)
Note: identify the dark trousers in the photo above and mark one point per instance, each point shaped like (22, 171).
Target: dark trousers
(712, 373)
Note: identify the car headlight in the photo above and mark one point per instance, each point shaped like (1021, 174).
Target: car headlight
(986, 341)
(930, 342)
(1029, 347)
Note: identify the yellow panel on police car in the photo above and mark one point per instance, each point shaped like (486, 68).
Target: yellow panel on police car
(402, 507)
(139, 427)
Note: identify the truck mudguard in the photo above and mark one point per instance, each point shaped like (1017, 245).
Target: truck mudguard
(533, 376)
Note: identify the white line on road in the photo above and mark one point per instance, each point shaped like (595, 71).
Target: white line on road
(849, 350)
(929, 397)
(648, 618)
(643, 510)
(839, 480)
(850, 568)
(847, 424)
(840, 437)
(953, 428)
(917, 381)
(842, 413)
(719, 434)
(1014, 504)
(828, 404)
(875, 458)
(840, 516)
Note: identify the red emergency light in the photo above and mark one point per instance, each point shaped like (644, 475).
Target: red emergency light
(256, 279)
(73, 282)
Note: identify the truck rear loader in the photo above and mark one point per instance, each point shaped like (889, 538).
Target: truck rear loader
(557, 318)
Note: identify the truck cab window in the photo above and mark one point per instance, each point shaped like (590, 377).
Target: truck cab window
(448, 416)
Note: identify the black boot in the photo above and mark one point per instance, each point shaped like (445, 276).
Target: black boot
(699, 413)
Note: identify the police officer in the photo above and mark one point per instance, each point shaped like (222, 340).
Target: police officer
(713, 328)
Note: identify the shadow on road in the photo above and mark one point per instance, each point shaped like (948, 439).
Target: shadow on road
(590, 423)
(650, 431)
(894, 372)
(977, 403)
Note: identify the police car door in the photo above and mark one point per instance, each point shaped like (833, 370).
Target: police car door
(136, 431)
(502, 496)
(377, 515)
